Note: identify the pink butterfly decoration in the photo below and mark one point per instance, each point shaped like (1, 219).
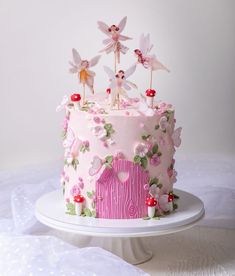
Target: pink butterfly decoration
(96, 165)
(176, 137)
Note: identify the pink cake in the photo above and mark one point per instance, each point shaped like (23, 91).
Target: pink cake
(118, 161)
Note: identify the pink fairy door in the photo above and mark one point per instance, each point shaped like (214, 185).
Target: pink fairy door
(120, 191)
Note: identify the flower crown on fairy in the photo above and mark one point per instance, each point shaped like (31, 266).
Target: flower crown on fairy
(118, 79)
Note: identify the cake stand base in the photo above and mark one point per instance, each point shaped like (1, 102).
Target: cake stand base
(127, 239)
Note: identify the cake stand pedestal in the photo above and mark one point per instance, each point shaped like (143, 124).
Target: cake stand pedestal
(125, 238)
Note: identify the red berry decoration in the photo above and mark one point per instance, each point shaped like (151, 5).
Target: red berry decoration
(150, 93)
(75, 97)
(108, 91)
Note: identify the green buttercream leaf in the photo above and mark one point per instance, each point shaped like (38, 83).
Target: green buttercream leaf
(144, 162)
(155, 149)
(159, 153)
(70, 208)
(87, 212)
(159, 185)
(137, 159)
(146, 218)
(149, 154)
(93, 213)
(153, 180)
(145, 137)
(157, 127)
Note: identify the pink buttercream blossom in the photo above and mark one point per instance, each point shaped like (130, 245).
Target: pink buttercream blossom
(154, 190)
(75, 190)
(142, 125)
(155, 160)
(119, 155)
(65, 124)
(141, 150)
(105, 144)
(97, 120)
(86, 144)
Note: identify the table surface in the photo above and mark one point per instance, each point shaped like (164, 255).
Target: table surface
(50, 210)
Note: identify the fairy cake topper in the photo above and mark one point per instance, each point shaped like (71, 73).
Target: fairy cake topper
(149, 61)
(82, 69)
(118, 84)
(112, 43)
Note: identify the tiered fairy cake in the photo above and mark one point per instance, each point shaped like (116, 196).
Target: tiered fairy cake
(118, 161)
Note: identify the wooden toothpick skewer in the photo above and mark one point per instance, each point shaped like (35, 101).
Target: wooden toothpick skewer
(115, 70)
(83, 95)
(151, 78)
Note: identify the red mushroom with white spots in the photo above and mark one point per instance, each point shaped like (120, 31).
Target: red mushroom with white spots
(75, 99)
(78, 200)
(151, 202)
(150, 94)
(170, 201)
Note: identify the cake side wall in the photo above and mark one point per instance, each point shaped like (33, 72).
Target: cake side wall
(128, 134)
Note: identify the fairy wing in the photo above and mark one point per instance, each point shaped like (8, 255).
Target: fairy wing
(122, 24)
(124, 38)
(130, 71)
(145, 45)
(176, 137)
(126, 86)
(109, 72)
(73, 69)
(131, 84)
(103, 27)
(76, 57)
(157, 65)
(94, 61)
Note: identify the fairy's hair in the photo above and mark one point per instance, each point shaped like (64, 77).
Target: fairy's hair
(116, 28)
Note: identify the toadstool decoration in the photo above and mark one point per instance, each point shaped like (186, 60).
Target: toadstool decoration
(171, 201)
(75, 99)
(78, 200)
(150, 94)
(151, 202)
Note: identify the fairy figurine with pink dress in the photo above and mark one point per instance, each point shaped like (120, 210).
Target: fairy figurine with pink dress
(82, 69)
(150, 62)
(112, 43)
(118, 85)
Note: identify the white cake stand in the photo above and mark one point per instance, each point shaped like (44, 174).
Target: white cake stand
(125, 238)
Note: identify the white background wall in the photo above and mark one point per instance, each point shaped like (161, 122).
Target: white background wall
(195, 39)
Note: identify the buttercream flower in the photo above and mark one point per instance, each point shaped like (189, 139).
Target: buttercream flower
(86, 144)
(170, 172)
(141, 150)
(119, 155)
(65, 124)
(100, 132)
(75, 190)
(163, 123)
(154, 190)
(155, 160)
(67, 200)
(149, 145)
(97, 120)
